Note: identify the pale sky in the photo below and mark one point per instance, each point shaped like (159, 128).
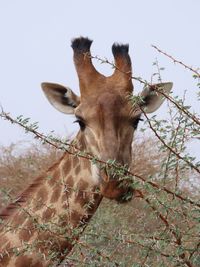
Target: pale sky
(35, 47)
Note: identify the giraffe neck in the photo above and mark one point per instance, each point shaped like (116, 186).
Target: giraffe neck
(42, 225)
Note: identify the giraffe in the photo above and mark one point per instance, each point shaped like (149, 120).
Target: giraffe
(41, 227)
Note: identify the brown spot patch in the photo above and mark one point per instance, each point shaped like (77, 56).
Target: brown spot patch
(69, 181)
(66, 167)
(54, 177)
(40, 199)
(5, 257)
(75, 161)
(86, 164)
(4, 260)
(23, 261)
(26, 233)
(82, 193)
(19, 219)
(42, 194)
(48, 214)
(83, 185)
(56, 194)
(63, 220)
(76, 218)
(3, 240)
(30, 225)
(44, 242)
(65, 196)
(38, 264)
(77, 170)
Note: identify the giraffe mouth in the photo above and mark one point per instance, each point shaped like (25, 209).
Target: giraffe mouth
(114, 188)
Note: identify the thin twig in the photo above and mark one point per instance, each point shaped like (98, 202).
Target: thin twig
(177, 61)
(169, 147)
(76, 151)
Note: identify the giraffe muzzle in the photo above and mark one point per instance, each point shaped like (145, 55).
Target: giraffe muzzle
(114, 188)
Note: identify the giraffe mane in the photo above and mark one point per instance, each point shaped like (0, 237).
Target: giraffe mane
(12, 207)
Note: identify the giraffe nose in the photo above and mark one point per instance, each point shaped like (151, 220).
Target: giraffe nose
(112, 149)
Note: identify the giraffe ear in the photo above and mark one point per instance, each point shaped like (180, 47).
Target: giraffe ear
(62, 98)
(152, 99)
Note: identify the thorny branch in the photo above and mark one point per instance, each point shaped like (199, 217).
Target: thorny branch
(177, 237)
(177, 61)
(65, 147)
(169, 147)
(73, 149)
(145, 83)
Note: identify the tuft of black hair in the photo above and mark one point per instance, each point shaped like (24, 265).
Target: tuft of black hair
(120, 49)
(81, 44)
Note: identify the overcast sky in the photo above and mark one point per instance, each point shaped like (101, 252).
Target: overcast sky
(35, 47)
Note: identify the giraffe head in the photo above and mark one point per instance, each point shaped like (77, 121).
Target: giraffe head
(105, 115)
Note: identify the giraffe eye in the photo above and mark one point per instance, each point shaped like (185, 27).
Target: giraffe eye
(135, 122)
(81, 123)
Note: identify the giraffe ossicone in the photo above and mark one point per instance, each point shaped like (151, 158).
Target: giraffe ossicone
(40, 227)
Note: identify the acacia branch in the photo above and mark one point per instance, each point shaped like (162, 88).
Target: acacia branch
(167, 146)
(177, 237)
(58, 144)
(153, 87)
(177, 61)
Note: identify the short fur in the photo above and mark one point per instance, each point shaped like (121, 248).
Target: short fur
(120, 49)
(68, 194)
(81, 44)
